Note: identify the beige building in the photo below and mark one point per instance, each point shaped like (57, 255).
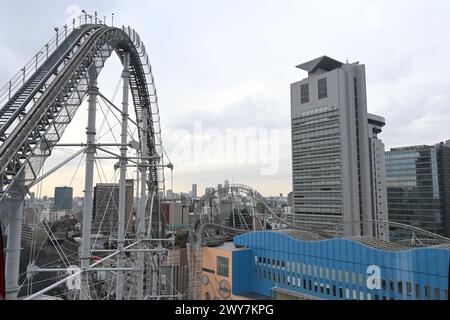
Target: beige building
(216, 281)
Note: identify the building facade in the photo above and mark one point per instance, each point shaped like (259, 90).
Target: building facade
(106, 207)
(337, 158)
(418, 184)
(63, 198)
(282, 265)
(194, 191)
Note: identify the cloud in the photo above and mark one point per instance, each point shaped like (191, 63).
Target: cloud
(230, 64)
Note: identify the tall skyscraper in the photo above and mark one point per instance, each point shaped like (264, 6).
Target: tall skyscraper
(443, 153)
(338, 160)
(106, 207)
(418, 181)
(194, 191)
(63, 198)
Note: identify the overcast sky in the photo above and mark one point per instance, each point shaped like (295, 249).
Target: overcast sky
(229, 64)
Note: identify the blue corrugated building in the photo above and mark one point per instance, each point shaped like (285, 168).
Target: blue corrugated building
(283, 265)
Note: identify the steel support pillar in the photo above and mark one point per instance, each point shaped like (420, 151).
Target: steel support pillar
(142, 205)
(15, 216)
(123, 176)
(88, 186)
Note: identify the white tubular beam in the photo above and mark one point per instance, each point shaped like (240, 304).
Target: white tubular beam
(59, 166)
(88, 186)
(14, 236)
(142, 205)
(123, 176)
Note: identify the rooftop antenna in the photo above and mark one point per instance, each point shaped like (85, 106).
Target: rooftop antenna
(346, 61)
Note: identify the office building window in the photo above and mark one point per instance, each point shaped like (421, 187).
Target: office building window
(304, 93)
(400, 287)
(409, 288)
(333, 275)
(437, 294)
(341, 293)
(323, 90)
(417, 291)
(391, 285)
(222, 266)
(427, 292)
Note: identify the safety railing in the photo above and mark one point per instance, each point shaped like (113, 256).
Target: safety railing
(11, 87)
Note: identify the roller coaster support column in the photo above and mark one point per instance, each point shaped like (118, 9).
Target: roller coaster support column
(88, 186)
(142, 206)
(123, 176)
(14, 236)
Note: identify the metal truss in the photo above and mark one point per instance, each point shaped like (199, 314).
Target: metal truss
(42, 99)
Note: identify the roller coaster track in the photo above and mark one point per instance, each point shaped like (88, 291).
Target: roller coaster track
(35, 116)
(39, 102)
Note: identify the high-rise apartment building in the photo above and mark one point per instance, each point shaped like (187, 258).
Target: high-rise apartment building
(194, 191)
(63, 198)
(106, 207)
(338, 160)
(418, 187)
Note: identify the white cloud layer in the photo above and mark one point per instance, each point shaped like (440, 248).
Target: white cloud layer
(229, 64)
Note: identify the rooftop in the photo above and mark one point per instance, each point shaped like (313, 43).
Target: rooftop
(320, 65)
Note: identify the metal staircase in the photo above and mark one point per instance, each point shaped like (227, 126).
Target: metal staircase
(19, 103)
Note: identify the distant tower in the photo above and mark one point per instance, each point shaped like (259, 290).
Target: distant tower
(106, 207)
(226, 183)
(194, 191)
(63, 198)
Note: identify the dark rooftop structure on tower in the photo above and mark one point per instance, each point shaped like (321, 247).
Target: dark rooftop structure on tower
(320, 65)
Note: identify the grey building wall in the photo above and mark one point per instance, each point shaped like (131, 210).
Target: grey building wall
(333, 166)
(106, 207)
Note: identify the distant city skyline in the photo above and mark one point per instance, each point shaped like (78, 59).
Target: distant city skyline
(231, 70)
